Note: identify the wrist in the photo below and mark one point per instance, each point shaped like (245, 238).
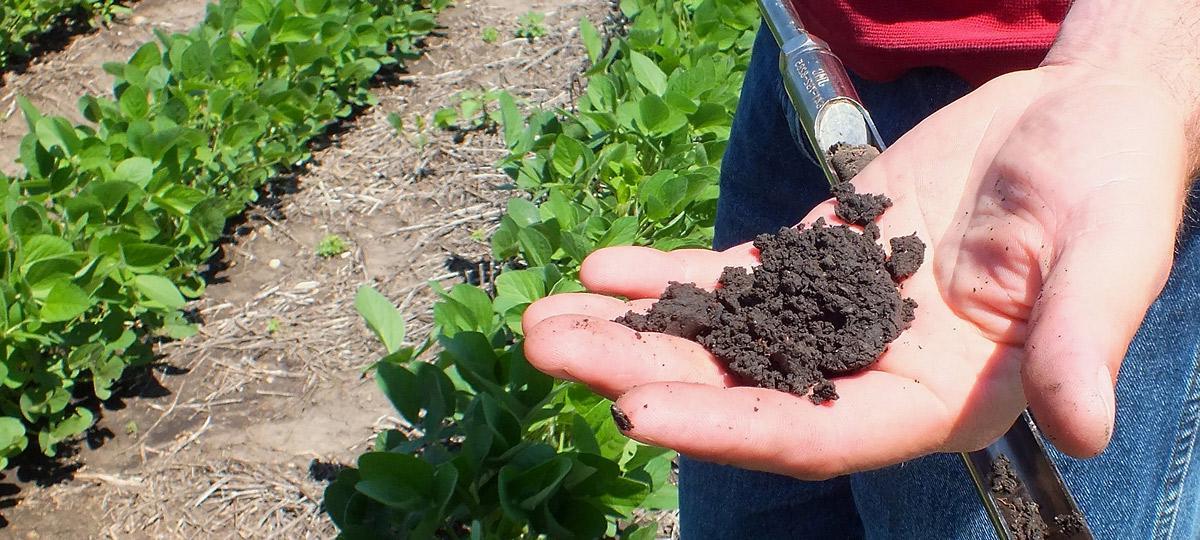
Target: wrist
(1148, 43)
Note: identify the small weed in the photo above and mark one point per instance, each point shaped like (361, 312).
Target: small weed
(531, 26)
(131, 428)
(475, 111)
(272, 325)
(490, 35)
(331, 246)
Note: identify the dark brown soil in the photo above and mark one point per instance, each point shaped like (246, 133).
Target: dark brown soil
(907, 254)
(848, 159)
(1020, 512)
(1069, 524)
(822, 303)
(858, 208)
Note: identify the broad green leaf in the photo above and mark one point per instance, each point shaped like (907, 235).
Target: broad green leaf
(298, 29)
(523, 212)
(160, 290)
(569, 156)
(135, 170)
(399, 385)
(622, 232)
(65, 302)
(141, 255)
(12, 437)
(73, 425)
(648, 74)
(133, 102)
(56, 132)
(25, 220)
(382, 317)
(521, 491)
(591, 39)
(535, 246)
(397, 480)
(519, 287)
(196, 59)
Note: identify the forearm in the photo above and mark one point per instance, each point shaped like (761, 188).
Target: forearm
(1151, 40)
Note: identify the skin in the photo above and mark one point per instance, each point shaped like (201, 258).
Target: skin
(1050, 200)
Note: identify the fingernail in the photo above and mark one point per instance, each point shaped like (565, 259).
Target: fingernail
(621, 419)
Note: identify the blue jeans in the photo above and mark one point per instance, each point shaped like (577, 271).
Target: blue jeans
(1141, 487)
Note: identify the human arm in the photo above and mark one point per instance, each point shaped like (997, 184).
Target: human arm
(1049, 198)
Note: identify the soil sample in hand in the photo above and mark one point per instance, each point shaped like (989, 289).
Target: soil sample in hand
(824, 302)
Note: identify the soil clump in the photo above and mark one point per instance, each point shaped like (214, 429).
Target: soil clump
(823, 302)
(847, 160)
(1020, 512)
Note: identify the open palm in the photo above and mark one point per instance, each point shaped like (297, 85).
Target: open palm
(1051, 229)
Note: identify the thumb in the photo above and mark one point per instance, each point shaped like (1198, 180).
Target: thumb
(1095, 293)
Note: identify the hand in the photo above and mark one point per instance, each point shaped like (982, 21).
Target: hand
(1050, 200)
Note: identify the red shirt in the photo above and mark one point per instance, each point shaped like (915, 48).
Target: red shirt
(977, 39)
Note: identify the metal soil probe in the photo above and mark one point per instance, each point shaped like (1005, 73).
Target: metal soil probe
(830, 112)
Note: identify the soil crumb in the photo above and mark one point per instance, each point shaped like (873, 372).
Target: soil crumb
(848, 159)
(1020, 512)
(683, 310)
(1069, 524)
(822, 303)
(858, 209)
(907, 254)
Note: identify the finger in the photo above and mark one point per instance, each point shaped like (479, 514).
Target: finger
(880, 419)
(1092, 302)
(611, 358)
(599, 306)
(642, 272)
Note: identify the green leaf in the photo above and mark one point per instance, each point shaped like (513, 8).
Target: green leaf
(133, 102)
(521, 491)
(382, 317)
(12, 438)
(399, 385)
(196, 59)
(25, 220)
(42, 247)
(591, 39)
(622, 232)
(298, 29)
(141, 255)
(535, 246)
(135, 170)
(519, 287)
(659, 118)
(464, 308)
(56, 132)
(504, 240)
(523, 212)
(397, 480)
(65, 302)
(73, 425)
(511, 118)
(569, 156)
(662, 194)
(160, 290)
(648, 74)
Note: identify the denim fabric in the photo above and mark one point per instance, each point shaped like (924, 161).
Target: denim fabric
(1142, 486)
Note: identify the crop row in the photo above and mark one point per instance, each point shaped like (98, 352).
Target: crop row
(498, 449)
(106, 233)
(24, 22)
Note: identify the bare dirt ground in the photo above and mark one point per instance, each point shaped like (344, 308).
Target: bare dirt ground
(219, 439)
(55, 82)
